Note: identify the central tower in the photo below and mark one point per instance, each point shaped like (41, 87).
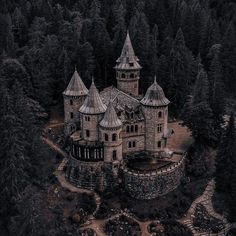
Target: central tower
(128, 69)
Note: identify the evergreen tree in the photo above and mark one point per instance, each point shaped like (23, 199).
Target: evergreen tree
(217, 94)
(225, 159)
(182, 72)
(197, 114)
(228, 57)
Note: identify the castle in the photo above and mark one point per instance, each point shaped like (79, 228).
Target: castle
(118, 137)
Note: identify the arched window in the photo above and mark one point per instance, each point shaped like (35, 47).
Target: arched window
(114, 137)
(106, 137)
(160, 114)
(136, 128)
(132, 128)
(114, 156)
(122, 75)
(132, 115)
(127, 128)
(159, 144)
(132, 75)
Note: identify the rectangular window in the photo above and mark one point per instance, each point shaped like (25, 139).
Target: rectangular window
(159, 144)
(71, 115)
(134, 144)
(71, 102)
(129, 144)
(114, 155)
(159, 128)
(87, 133)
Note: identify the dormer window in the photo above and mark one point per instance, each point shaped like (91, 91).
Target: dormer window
(131, 64)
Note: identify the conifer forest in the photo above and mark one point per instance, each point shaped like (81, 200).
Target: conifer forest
(189, 45)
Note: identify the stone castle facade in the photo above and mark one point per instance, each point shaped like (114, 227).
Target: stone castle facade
(106, 128)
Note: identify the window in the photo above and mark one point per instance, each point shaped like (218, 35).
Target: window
(131, 64)
(134, 144)
(71, 115)
(159, 144)
(114, 156)
(122, 75)
(132, 75)
(127, 129)
(87, 118)
(106, 137)
(132, 115)
(87, 133)
(132, 128)
(114, 137)
(131, 144)
(71, 102)
(159, 128)
(160, 114)
(136, 128)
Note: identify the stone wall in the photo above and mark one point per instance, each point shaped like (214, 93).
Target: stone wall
(72, 105)
(154, 183)
(92, 175)
(129, 86)
(152, 120)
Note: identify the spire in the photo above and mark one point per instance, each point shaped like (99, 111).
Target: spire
(155, 79)
(110, 119)
(93, 103)
(155, 96)
(76, 86)
(127, 59)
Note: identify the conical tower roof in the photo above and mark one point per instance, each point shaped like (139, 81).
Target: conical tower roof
(93, 103)
(127, 59)
(76, 86)
(110, 119)
(155, 96)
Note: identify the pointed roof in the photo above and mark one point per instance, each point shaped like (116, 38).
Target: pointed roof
(155, 96)
(76, 86)
(110, 119)
(93, 103)
(127, 59)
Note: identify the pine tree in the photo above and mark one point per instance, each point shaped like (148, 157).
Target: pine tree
(182, 72)
(217, 88)
(197, 114)
(225, 159)
(13, 159)
(228, 57)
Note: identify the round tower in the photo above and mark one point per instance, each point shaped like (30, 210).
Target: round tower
(92, 112)
(74, 96)
(110, 131)
(155, 109)
(128, 69)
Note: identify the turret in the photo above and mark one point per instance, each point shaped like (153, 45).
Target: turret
(74, 96)
(128, 69)
(155, 109)
(110, 131)
(92, 112)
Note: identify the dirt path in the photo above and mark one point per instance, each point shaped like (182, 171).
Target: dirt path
(54, 146)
